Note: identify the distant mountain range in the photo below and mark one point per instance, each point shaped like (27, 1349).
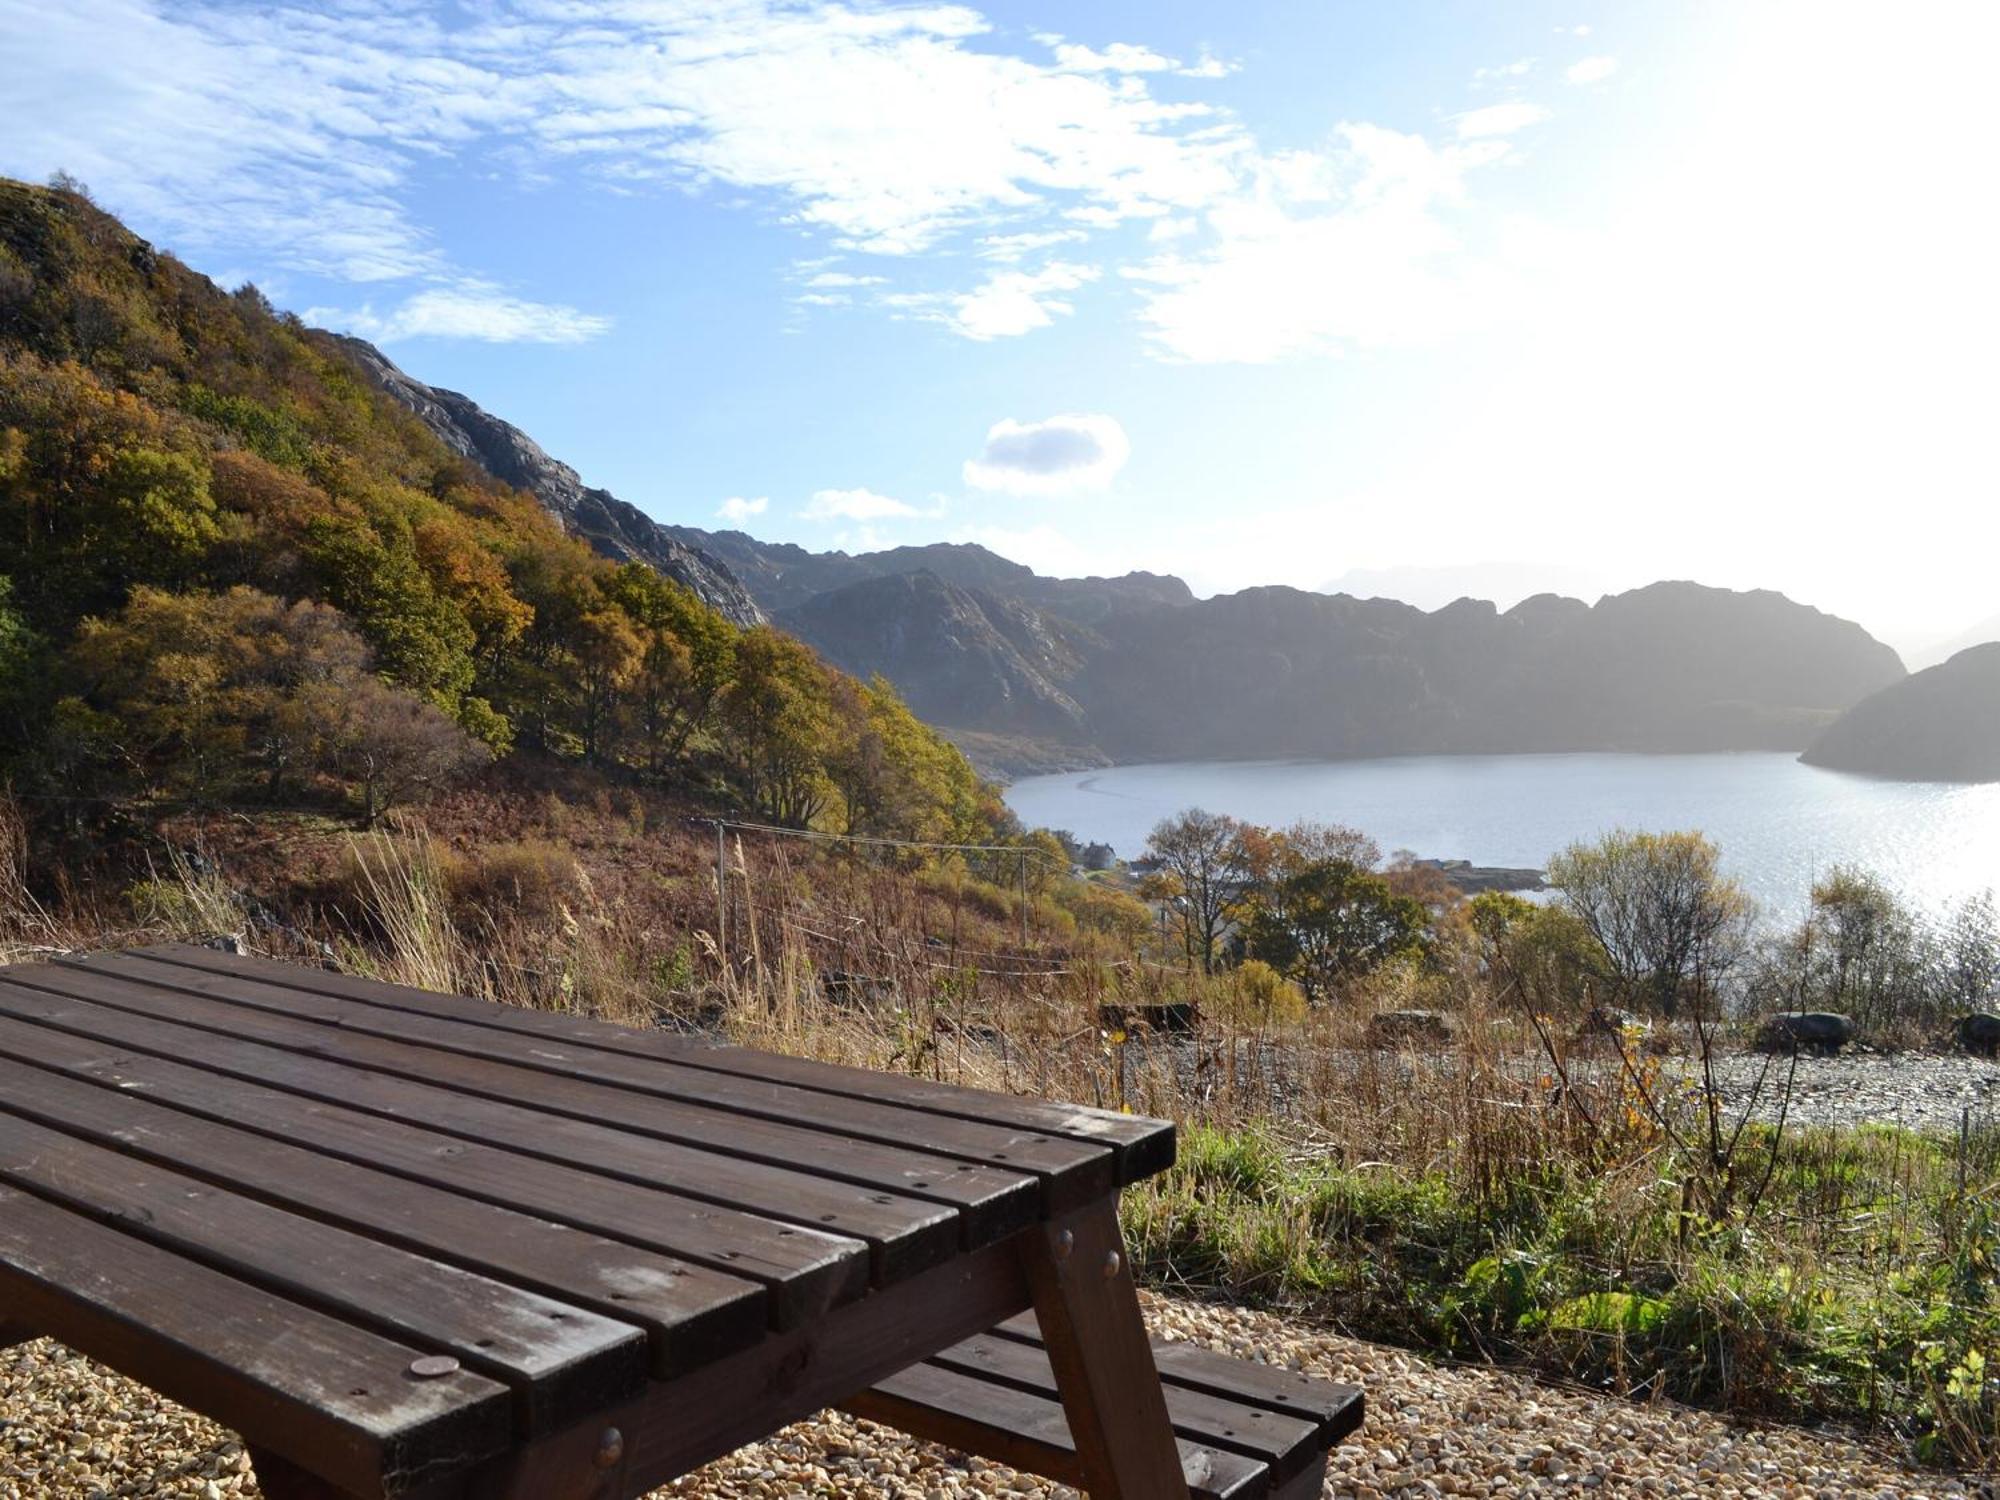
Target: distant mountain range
(1030, 672)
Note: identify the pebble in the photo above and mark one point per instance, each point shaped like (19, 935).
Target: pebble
(73, 1430)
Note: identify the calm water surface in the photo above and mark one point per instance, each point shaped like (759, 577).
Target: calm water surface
(1776, 820)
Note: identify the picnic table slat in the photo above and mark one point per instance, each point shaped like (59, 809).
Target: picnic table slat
(1029, 1431)
(335, 1398)
(1143, 1146)
(690, 1313)
(904, 1235)
(1071, 1171)
(804, 1271)
(1199, 1415)
(561, 1362)
(1273, 1387)
(991, 1201)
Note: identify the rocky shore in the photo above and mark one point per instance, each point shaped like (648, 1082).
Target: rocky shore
(71, 1430)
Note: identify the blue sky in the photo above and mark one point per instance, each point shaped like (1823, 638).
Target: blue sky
(1421, 298)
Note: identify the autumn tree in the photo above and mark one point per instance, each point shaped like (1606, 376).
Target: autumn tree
(1206, 867)
(1327, 922)
(239, 694)
(779, 722)
(1668, 923)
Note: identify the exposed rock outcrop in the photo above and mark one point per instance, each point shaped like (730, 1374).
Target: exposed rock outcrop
(610, 525)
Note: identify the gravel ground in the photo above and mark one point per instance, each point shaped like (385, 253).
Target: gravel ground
(1924, 1091)
(71, 1430)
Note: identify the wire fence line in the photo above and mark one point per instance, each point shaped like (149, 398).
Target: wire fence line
(1020, 853)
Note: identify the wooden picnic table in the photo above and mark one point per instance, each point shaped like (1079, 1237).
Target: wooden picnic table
(417, 1245)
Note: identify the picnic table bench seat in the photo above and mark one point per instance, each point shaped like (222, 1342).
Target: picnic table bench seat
(1247, 1431)
(422, 1247)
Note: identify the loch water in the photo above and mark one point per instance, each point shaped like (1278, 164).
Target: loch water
(1778, 823)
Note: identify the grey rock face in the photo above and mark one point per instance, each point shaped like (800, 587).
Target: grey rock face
(614, 528)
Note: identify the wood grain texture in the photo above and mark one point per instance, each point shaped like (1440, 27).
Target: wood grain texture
(680, 1425)
(991, 1198)
(1088, 1310)
(804, 1271)
(1143, 1147)
(690, 1314)
(1069, 1171)
(560, 1361)
(903, 1234)
(332, 1398)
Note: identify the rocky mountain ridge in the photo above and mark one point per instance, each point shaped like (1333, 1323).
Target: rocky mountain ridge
(1031, 671)
(615, 528)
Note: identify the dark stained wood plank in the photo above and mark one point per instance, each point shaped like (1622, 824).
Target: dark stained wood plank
(14, 1333)
(1071, 1172)
(1030, 1432)
(990, 1201)
(1337, 1408)
(904, 1235)
(804, 1271)
(1284, 1442)
(1088, 1310)
(330, 1397)
(691, 1314)
(679, 1425)
(561, 1362)
(1143, 1146)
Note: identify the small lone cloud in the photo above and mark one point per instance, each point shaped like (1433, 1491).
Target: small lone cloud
(1063, 455)
(1591, 70)
(468, 310)
(1498, 119)
(738, 509)
(860, 505)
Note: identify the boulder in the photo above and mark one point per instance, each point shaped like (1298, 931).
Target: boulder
(1179, 1017)
(1393, 1028)
(1980, 1033)
(1821, 1032)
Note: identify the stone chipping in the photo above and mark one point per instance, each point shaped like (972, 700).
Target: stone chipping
(72, 1430)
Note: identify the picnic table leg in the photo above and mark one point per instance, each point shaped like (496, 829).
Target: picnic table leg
(1310, 1484)
(281, 1479)
(1103, 1362)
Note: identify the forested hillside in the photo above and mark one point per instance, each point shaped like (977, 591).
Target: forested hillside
(235, 570)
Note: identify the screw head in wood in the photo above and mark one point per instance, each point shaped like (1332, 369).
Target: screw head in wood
(1112, 1262)
(1065, 1242)
(610, 1448)
(433, 1367)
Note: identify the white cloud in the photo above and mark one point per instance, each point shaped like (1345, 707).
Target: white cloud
(843, 278)
(1011, 247)
(1208, 65)
(468, 310)
(1359, 246)
(739, 510)
(1119, 57)
(1498, 119)
(1515, 69)
(304, 135)
(1591, 70)
(1062, 455)
(859, 505)
(1005, 305)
